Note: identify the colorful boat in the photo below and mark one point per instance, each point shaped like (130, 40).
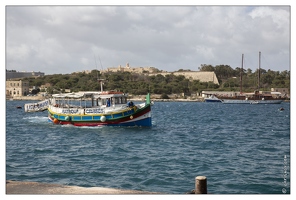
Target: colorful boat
(105, 108)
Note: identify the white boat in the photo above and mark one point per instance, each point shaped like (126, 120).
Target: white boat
(37, 107)
(212, 98)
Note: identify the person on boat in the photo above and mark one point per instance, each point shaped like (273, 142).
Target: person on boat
(108, 102)
(130, 104)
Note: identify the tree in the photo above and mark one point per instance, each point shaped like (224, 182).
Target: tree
(207, 68)
(224, 71)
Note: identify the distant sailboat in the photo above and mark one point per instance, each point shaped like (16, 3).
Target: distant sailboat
(251, 98)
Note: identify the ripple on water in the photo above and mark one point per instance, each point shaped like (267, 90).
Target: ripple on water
(240, 148)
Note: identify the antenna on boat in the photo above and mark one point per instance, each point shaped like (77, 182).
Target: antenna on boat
(100, 80)
(96, 66)
(100, 62)
(259, 70)
(241, 74)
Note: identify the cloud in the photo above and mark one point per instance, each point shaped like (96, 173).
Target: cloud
(63, 39)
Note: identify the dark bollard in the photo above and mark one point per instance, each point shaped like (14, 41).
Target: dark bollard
(201, 185)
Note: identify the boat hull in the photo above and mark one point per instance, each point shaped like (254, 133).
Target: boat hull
(134, 117)
(232, 101)
(213, 100)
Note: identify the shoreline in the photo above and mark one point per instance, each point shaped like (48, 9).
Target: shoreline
(40, 98)
(27, 187)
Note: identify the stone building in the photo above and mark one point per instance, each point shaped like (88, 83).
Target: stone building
(17, 88)
(127, 68)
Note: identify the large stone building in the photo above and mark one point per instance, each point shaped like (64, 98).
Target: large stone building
(127, 68)
(17, 88)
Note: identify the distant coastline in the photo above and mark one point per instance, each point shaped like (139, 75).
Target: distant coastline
(40, 98)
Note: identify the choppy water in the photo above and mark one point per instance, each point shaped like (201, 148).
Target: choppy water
(241, 149)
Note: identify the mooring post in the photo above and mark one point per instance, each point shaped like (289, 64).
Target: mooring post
(201, 185)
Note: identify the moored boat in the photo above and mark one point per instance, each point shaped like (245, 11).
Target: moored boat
(247, 101)
(212, 98)
(37, 107)
(252, 98)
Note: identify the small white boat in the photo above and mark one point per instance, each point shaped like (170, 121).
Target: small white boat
(37, 107)
(212, 98)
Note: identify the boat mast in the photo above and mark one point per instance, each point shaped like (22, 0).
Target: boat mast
(100, 80)
(259, 70)
(241, 75)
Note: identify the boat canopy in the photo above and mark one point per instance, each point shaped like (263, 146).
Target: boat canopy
(69, 95)
(102, 95)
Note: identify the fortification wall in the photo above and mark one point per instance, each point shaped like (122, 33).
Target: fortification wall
(201, 76)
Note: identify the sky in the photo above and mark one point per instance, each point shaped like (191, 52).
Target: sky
(63, 39)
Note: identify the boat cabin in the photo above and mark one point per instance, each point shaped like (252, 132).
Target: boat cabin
(89, 99)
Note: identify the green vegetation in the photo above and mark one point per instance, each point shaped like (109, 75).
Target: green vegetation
(229, 78)
(141, 84)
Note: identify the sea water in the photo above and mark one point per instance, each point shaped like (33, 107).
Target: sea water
(241, 149)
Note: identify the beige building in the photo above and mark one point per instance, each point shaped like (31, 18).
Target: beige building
(127, 68)
(17, 88)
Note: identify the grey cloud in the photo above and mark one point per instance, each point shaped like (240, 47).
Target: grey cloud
(63, 39)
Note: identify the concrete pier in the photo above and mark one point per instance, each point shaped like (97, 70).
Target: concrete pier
(21, 187)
